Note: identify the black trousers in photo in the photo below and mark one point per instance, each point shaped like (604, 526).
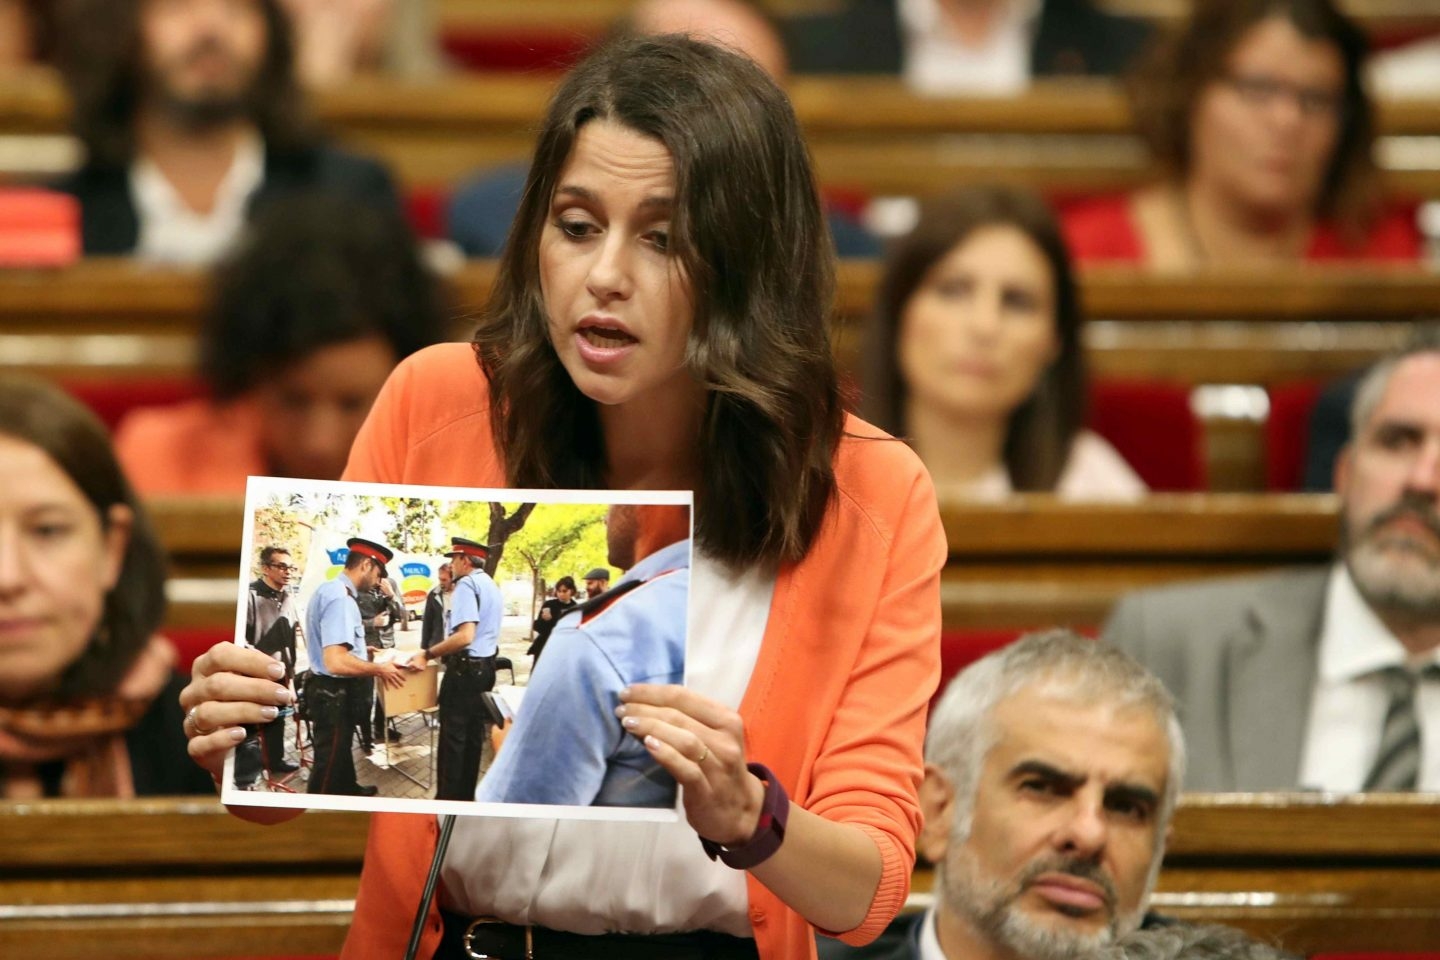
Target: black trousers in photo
(462, 726)
(332, 728)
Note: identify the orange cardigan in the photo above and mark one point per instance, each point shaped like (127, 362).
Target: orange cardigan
(835, 706)
(193, 447)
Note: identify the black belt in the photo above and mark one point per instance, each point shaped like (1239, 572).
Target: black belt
(462, 661)
(321, 682)
(467, 939)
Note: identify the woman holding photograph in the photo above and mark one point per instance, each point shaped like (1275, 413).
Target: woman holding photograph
(87, 689)
(663, 304)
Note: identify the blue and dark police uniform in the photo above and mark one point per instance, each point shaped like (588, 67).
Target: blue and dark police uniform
(469, 675)
(333, 619)
(567, 746)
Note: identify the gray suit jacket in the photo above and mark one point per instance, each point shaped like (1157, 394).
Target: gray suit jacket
(1240, 657)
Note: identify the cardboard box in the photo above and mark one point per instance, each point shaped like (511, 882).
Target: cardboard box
(420, 691)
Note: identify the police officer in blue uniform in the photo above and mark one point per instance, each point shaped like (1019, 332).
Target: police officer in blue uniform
(340, 667)
(567, 746)
(471, 644)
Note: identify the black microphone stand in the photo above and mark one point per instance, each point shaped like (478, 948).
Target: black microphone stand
(447, 827)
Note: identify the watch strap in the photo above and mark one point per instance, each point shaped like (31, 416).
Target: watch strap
(769, 829)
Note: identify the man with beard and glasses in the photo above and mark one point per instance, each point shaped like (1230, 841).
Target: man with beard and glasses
(1323, 679)
(191, 118)
(1052, 767)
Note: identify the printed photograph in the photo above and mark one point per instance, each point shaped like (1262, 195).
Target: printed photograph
(460, 650)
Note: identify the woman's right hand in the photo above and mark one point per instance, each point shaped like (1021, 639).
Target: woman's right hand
(229, 686)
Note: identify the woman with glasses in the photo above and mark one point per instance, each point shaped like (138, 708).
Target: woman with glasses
(1256, 114)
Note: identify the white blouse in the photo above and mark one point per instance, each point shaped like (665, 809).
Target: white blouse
(1093, 472)
(593, 878)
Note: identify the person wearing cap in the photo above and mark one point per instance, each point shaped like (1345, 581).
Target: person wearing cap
(471, 644)
(340, 667)
(597, 581)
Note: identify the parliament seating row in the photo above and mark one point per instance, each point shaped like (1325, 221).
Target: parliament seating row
(170, 879)
(865, 134)
(1028, 563)
(548, 34)
(122, 335)
(119, 318)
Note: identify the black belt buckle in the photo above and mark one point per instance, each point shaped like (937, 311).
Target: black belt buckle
(481, 921)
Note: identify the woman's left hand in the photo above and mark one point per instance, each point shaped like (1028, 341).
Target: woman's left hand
(702, 744)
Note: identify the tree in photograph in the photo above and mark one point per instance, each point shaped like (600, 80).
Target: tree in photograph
(558, 536)
(500, 522)
(413, 524)
(279, 525)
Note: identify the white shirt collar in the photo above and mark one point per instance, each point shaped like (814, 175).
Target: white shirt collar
(930, 939)
(924, 18)
(171, 232)
(1354, 641)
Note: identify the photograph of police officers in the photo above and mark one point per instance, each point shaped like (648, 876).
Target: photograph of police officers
(409, 629)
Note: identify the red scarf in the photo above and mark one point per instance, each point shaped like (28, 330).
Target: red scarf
(88, 735)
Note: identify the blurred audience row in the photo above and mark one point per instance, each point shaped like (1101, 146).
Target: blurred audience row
(194, 124)
(942, 47)
(192, 116)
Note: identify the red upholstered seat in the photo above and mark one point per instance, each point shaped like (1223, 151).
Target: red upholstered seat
(553, 50)
(961, 647)
(1154, 429)
(1287, 434)
(425, 210)
(190, 642)
(113, 399)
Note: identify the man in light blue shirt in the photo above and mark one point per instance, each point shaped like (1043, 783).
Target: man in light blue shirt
(470, 647)
(340, 667)
(567, 746)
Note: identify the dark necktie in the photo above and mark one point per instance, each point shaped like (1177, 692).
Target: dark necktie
(1397, 762)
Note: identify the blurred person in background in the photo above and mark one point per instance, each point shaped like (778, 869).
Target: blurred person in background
(550, 613)
(482, 209)
(305, 323)
(191, 119)
(975, 355)
(27, 32)
(959, 47)
(437, 602)
(337, 40)
(88, 692)
(1257, 113)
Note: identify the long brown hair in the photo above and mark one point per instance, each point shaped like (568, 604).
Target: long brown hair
(101, 60)
(38, 413)
(1041, 430)
(749, 235)
(1168, 81)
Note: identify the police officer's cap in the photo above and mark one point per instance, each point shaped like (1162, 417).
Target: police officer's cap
(599, 573)
(378, 552)
(461, 547)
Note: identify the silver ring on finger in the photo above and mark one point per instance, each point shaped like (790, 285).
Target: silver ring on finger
(195, 723)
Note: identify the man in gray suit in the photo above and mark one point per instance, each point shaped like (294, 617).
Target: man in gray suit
(1051, 770)
(1323, 679)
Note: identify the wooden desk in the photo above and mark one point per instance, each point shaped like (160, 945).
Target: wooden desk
(1035, 561)
(864, 133)
(1029, 562)
(116, 318)
(173, 879)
